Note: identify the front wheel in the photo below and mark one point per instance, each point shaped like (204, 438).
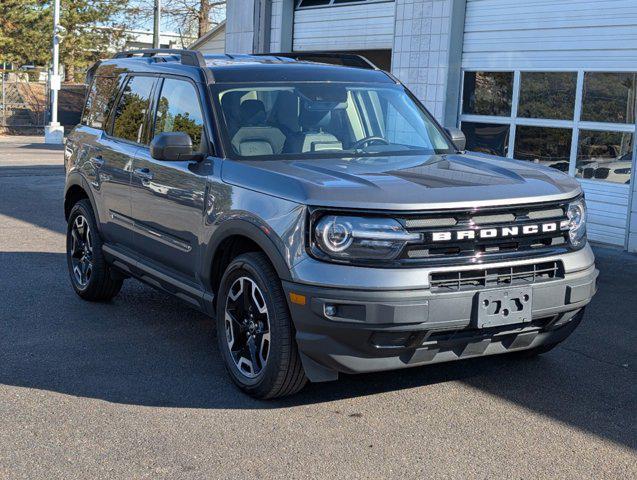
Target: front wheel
(255, 332)
(91, 276)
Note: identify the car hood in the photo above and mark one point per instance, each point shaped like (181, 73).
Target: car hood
(403, 182)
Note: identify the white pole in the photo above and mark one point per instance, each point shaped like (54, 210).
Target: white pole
(54, 132)
(56, 61)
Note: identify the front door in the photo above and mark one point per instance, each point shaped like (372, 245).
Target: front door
(168, 196)
(112, 160)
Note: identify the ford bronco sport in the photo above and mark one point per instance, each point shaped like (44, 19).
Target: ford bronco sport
(314, 208)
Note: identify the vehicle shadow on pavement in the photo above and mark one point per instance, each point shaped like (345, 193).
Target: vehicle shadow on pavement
(147, 348)
(42, 146)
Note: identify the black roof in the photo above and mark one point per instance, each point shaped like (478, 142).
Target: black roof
(223, 68)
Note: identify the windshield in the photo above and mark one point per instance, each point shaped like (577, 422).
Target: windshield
(307, 120)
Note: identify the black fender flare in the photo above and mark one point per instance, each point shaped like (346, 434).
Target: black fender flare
(74, 179)
(251, 231)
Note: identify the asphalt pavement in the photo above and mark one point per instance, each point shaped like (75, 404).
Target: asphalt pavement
(135, 388)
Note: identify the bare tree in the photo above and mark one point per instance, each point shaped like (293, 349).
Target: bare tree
(192, 17)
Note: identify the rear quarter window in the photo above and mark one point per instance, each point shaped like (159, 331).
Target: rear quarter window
(99, 101)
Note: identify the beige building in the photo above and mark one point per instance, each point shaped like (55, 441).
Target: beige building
(212, 42)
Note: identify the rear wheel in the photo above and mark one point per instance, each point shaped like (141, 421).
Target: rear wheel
(91, 276)
(254, 329)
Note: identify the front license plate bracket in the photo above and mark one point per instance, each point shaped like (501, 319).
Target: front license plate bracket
(505, 306)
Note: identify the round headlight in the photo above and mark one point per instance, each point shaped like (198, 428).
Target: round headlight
(333, 234)
(346, 238)
(576, 214)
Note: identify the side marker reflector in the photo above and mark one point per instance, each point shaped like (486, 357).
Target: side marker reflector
(297, 298)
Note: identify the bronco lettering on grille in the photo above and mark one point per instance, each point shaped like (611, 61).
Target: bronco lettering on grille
(499, 232)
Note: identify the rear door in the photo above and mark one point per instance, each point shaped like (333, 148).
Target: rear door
(114, 154)
(168, 196)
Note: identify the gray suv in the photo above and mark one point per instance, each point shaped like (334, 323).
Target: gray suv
(315, 209)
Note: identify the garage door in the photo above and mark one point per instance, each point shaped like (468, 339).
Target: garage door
(550, 82)
(337, 25)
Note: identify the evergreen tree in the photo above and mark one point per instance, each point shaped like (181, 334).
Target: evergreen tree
(24, 32)
(92, 26)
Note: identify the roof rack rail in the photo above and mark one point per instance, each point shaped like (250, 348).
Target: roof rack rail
(188, 57)
(345, 59)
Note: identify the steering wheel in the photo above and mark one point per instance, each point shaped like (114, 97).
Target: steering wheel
(368, 140)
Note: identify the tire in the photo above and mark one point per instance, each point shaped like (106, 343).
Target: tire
(90, 275)
(256, 336)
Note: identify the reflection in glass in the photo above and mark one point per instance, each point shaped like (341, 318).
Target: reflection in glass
(178, 110)
(547, 146)
(547, 95)
(609, 97)
(100, 101)
(605, 156)
(487, 93)
(491, 138)
(304, 120)
(312, 3)
(131, 110)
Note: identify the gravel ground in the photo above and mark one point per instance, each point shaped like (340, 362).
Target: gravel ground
(135, 388)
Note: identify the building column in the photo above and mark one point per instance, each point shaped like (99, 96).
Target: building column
(282, 24)
(240, 26)
(427, 53)
(259, 26)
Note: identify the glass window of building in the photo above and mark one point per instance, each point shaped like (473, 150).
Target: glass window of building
(488, 93)
(609, 97)
(605, 156)
(491, 138)
(548, 95)
(547, 146)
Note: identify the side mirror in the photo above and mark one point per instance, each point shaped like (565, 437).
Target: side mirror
(173, 146)
(458, 138)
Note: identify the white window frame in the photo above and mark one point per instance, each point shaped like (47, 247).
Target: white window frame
(576, 124)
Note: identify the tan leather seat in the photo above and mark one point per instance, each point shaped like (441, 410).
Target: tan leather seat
(313, 137)
(254, 136)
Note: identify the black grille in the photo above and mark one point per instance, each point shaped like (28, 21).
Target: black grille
(495, 277)
(509, 217)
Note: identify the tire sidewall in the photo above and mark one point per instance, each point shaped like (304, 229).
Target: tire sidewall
(81, 209)
(243, 266)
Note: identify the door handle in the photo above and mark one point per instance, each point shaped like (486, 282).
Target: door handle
(143, 173)
(97, 162)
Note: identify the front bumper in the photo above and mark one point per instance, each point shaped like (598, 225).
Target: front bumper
(374, 330)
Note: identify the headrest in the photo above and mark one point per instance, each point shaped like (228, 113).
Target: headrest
(252, 112)
(315, 119)
(285, 112)
(230, 103)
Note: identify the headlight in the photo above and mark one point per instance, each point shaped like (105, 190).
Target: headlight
(576, 214)
(359, 238)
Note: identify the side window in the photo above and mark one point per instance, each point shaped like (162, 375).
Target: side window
(131, 109)
(178, 110)
(99, 101)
